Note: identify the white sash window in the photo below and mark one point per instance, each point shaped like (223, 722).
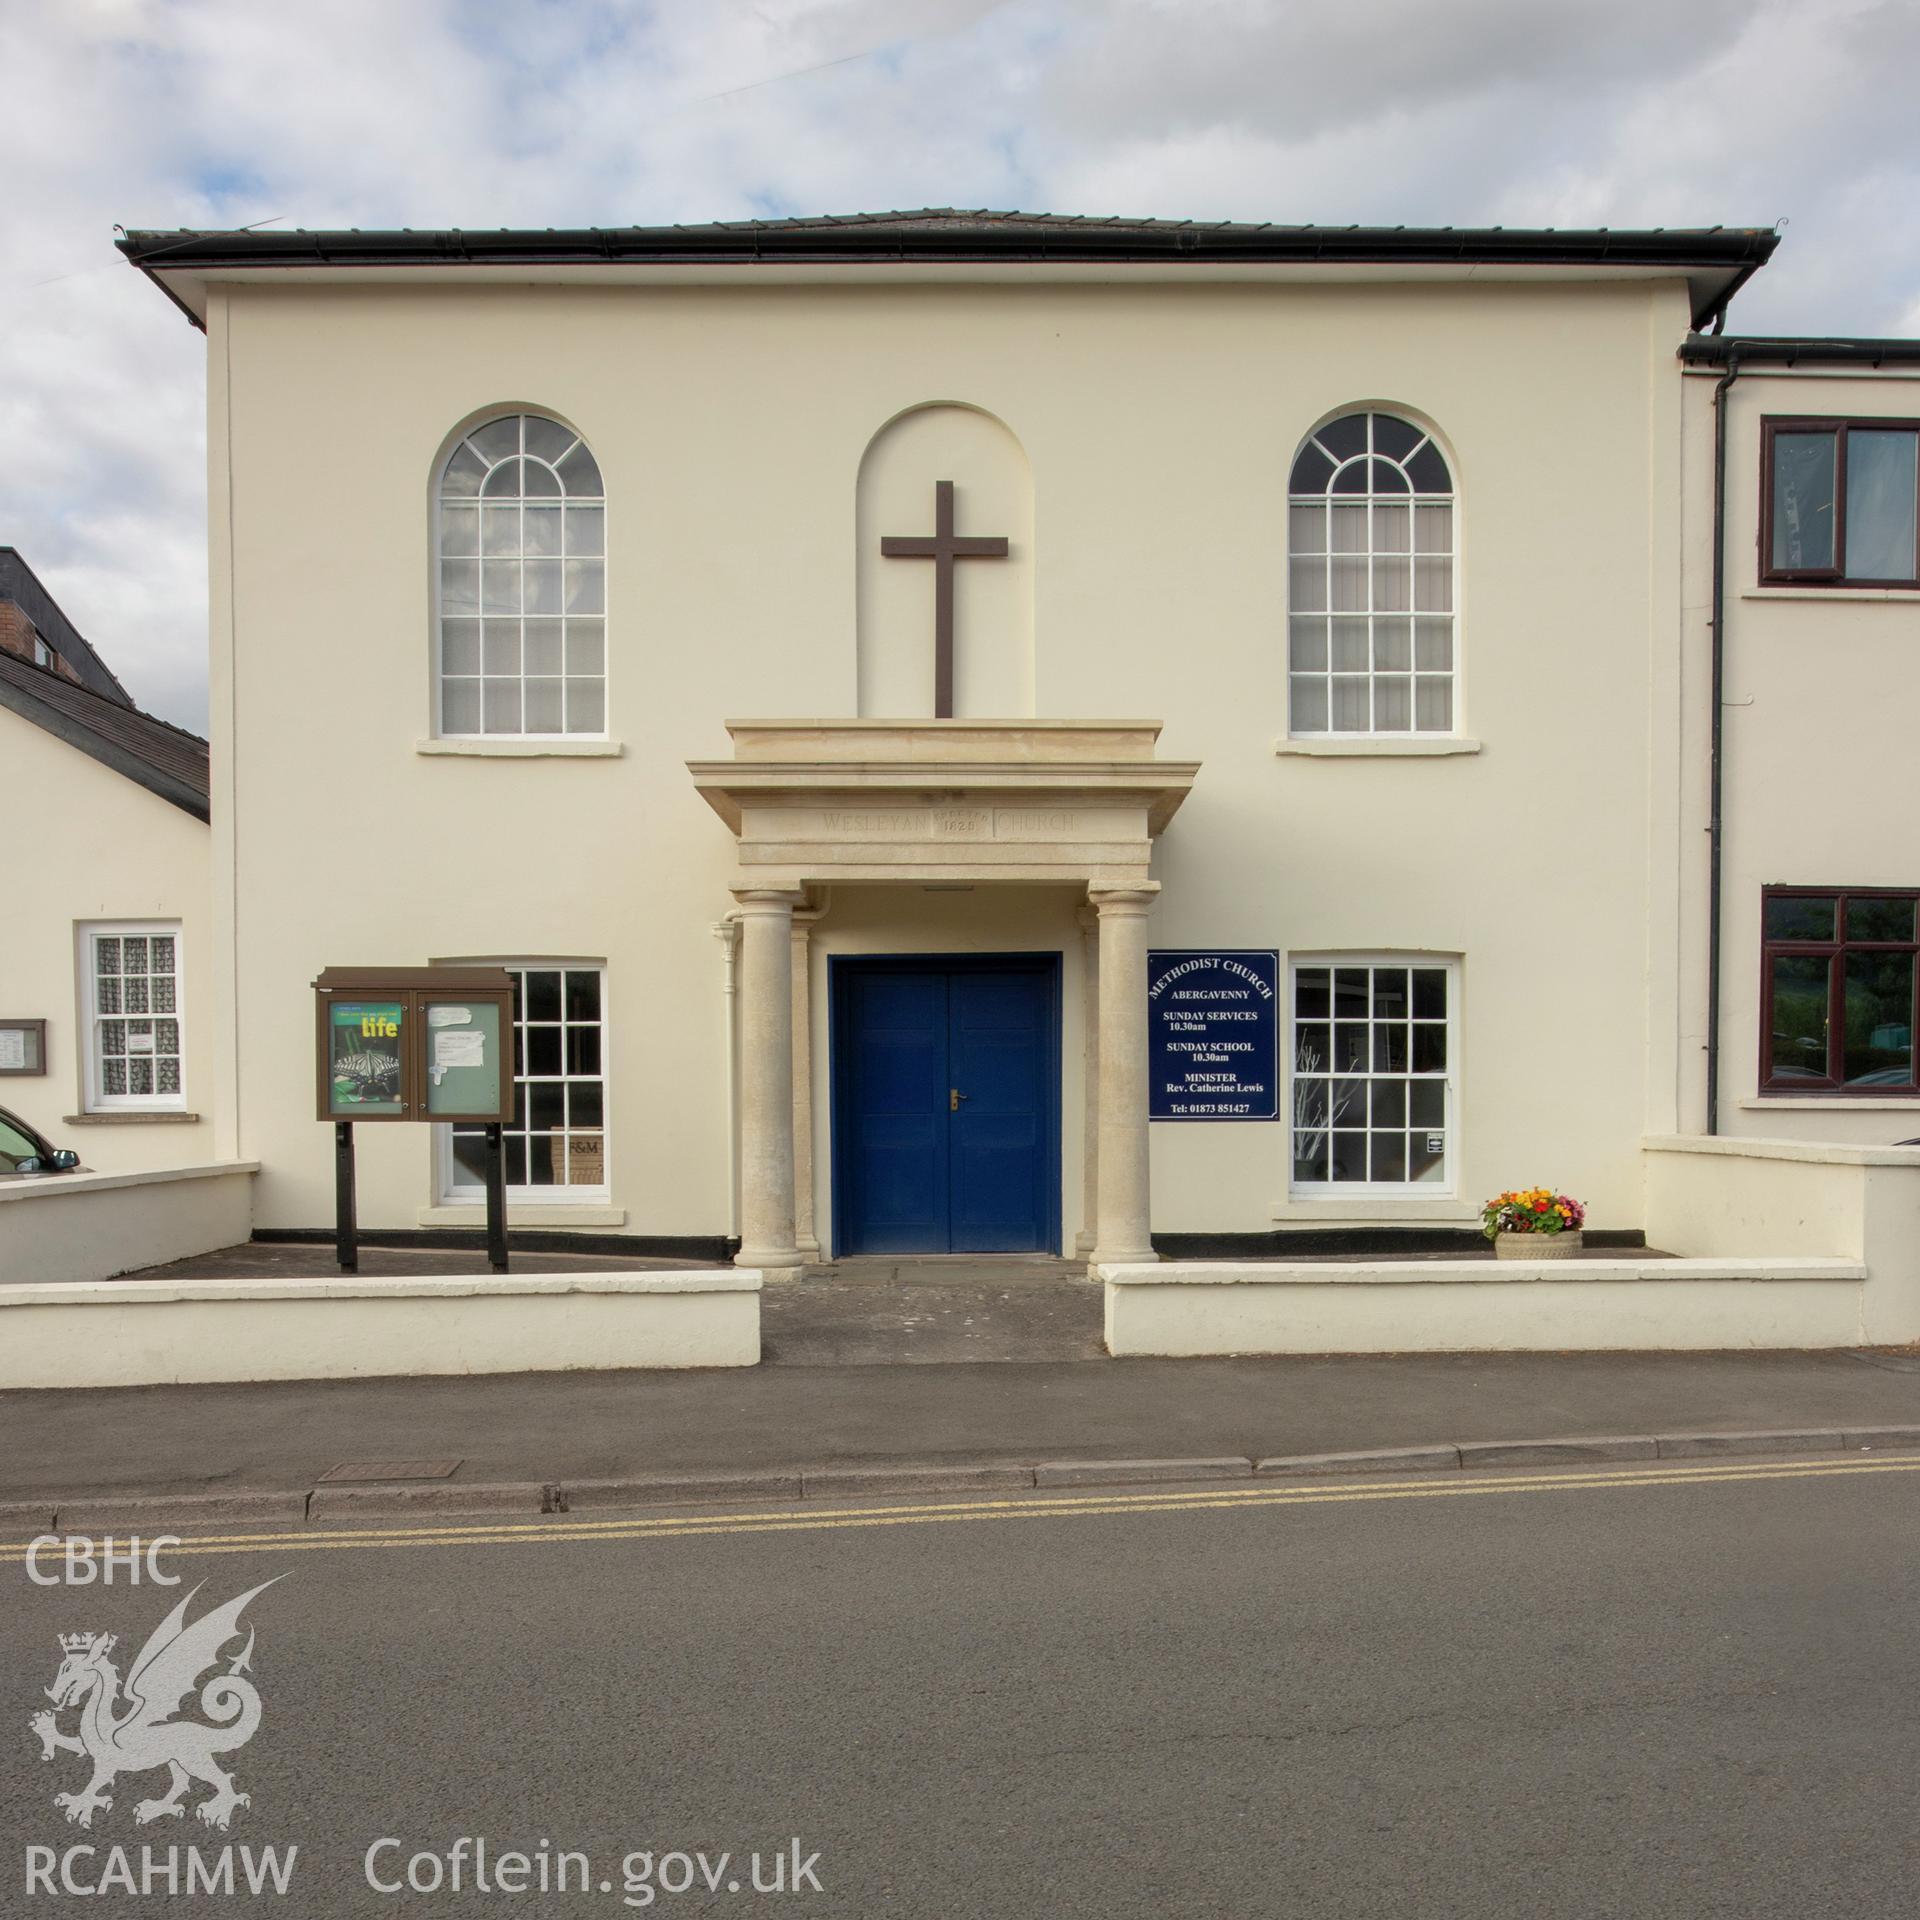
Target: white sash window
(135, 1030)
(556, 1141)
(1374, 1046)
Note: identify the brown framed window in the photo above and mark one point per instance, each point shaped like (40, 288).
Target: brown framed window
(1838, 977)
(1840, 503)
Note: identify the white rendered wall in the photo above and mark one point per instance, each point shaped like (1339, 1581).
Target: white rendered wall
(1159, 424)
(97, 846)
(80, 1227)
(144, 1333)
(1190, 1309)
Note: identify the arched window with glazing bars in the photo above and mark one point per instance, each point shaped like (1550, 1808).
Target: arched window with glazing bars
(1371, 640)
(522, 543)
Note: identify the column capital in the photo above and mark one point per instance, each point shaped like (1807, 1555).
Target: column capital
(772, 901)
(1124, 900)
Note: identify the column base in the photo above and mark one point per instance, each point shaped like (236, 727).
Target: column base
(1100, 1257)
(777, 1263)
(1083, 1241)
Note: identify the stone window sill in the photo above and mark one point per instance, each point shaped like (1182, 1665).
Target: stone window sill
(1831, 1103)
(134, 1117)
(1412, 746)
(1903, 594)
(525, 1213)
(505, 749)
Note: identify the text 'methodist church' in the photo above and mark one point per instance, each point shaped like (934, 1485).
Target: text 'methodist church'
(985, 733)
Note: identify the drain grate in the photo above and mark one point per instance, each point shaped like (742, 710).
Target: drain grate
(391, 1470)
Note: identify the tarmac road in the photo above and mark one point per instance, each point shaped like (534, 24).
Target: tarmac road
(1679, 1690)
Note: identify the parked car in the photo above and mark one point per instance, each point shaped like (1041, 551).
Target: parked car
(26, 1154)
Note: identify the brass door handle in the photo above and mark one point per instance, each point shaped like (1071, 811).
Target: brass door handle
(954, 1097)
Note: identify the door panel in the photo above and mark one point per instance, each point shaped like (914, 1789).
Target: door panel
(1000, 1164)
(896, 1169)
(917, 1170)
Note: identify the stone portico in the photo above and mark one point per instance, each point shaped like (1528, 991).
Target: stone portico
(940, 803)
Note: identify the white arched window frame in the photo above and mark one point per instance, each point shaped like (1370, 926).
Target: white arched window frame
(521, 544)
(1372, 646)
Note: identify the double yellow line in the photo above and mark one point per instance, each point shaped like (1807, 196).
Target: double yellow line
(570, 1529)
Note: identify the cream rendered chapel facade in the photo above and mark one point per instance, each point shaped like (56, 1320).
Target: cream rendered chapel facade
(1344, 620)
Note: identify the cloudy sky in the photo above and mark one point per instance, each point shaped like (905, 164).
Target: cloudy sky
(374, 113)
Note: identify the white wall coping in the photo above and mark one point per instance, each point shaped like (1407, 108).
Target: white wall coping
(143, 1293)
(40, 1186)
(1819, 1153)
(1488, 1272)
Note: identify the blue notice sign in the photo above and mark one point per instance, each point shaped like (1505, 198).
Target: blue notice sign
(1213, 1033)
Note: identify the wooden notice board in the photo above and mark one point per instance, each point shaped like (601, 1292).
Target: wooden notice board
(414, 1043)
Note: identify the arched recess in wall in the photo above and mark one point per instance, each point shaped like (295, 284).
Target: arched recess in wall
(993, 598)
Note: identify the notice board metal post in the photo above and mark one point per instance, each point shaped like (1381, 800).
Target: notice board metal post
(346, 1224)
(496, 1201)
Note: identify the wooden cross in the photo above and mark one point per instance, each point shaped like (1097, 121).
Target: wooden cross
(943, 550)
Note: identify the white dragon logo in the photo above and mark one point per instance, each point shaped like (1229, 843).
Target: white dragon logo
(138, 1732)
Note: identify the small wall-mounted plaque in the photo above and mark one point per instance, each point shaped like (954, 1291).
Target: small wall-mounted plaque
(23, 1046)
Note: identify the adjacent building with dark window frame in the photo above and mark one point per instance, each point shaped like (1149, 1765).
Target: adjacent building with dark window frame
(1796, 938)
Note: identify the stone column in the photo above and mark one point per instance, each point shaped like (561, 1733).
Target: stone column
(766, 1081)
(806, 1232)
(1125, 1230)
(1086, 1239)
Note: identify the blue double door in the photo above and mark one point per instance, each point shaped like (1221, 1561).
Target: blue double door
(946, 1105)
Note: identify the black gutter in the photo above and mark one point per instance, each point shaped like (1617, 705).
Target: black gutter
(1719, 350)
(950, 238)
(1714, 318)
(956, 238)
(1715, 762)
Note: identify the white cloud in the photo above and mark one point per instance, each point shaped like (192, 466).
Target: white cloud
(565, 112)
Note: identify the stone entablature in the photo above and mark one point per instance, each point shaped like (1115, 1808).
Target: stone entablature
(819, 801)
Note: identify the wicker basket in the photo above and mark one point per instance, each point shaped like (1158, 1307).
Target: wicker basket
(1538, 1246)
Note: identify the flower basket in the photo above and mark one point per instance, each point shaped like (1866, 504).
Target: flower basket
(1534, 1223)
(1539, 1246)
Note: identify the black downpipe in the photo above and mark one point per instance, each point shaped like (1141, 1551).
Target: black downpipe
(1715, 773)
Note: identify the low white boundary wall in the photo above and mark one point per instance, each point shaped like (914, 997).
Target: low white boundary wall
(59, 1228)
(1781, 1243)
(145, 1332)
(1718, 1196)
(1462, 1306)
